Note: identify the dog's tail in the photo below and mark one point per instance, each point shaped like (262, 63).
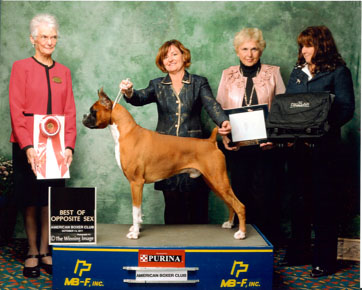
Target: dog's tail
(213, 135)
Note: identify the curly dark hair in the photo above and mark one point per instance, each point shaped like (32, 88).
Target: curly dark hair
(326, 56)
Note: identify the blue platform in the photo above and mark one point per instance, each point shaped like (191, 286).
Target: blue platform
(166, 257)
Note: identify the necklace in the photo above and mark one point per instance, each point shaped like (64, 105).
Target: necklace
(250, 98)
(248, 104)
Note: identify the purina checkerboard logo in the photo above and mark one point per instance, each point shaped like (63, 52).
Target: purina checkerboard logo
(144, 258)
(161, 258)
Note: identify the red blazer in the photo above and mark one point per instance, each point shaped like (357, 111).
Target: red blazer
(28, 95)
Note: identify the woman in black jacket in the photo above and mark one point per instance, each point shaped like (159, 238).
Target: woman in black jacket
(180, 96)
(319, 68)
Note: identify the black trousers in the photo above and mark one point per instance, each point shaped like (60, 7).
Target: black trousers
(187, 207)
(313, 204)
(255, 176)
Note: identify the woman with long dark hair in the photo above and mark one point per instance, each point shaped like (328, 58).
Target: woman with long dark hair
(319, 68)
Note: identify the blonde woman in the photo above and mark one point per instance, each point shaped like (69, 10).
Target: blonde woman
(246, 84)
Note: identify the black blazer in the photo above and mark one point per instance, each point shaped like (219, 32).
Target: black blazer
(338, 82)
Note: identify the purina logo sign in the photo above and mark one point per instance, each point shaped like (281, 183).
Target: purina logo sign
(161, 258)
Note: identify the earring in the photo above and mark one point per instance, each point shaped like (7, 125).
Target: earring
(33, 44)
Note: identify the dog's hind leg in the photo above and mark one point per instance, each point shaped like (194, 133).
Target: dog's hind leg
(221, 186)
(136, 189)
(230, 222)
(234, 206)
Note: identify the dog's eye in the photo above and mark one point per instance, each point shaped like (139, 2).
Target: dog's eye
(93, 112)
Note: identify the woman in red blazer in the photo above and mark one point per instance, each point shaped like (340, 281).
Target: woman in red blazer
(38, 85)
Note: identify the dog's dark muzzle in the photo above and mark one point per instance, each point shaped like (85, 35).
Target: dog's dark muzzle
(89, 121)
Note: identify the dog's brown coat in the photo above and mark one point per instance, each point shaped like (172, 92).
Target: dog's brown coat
(147, 156)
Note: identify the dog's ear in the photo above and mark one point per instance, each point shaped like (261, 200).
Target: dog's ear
(104, 100)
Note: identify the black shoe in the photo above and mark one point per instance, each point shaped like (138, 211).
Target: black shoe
(31, 272)
(319, 272)
(47, 267)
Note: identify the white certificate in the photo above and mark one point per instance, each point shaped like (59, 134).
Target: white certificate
(248, 125)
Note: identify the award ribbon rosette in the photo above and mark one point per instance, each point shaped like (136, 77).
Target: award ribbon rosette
(49, 145)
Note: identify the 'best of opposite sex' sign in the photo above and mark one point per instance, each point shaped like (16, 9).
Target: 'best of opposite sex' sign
(72, 214)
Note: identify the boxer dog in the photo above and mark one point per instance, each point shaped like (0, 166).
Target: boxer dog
(146, 156)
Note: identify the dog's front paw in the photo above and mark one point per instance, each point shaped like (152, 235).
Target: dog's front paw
(239, 235)
(227, 225)
(132, 228)
(133, 235)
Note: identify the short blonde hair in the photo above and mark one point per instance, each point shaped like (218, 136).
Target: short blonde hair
(246, 34)
(39, 19)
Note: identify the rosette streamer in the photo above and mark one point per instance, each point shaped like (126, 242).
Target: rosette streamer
(49, 129)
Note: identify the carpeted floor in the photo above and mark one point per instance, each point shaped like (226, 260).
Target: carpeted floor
(11, 269)
(347, 277)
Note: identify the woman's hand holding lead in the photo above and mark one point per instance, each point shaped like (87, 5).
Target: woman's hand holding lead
(126, 88)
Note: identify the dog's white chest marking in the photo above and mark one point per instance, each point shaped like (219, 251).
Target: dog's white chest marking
(115, 134)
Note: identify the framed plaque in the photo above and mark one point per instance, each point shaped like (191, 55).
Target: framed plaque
(248, 124)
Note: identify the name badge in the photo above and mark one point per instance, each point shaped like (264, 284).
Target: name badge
(57, 80)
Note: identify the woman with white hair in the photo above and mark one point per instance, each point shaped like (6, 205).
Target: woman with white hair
(38, 85)
(250, 83)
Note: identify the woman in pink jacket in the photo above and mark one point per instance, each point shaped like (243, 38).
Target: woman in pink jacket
(38, 85)
(251, 83)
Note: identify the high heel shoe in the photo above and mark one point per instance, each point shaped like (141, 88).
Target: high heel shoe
(47, 267)
(31, 272)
